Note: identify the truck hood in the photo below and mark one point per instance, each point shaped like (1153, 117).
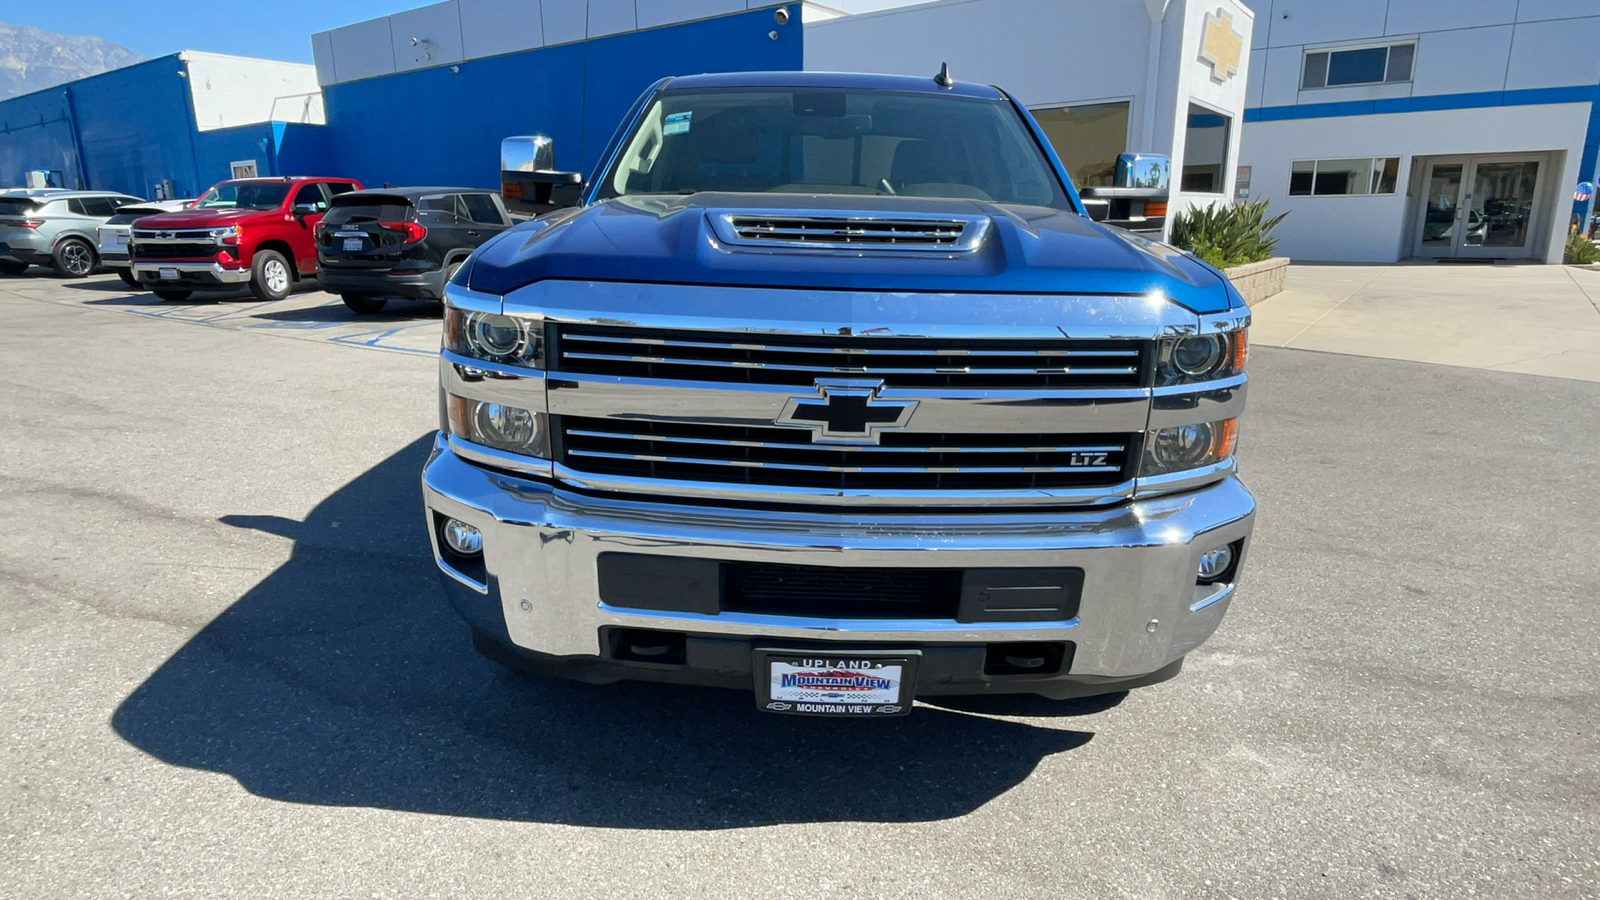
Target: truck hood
(672, 240)
(204, 218)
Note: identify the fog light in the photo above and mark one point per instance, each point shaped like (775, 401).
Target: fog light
(507, 426)
(463, 539)
(1215, 563)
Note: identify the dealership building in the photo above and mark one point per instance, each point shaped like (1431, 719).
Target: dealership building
(1388, 129)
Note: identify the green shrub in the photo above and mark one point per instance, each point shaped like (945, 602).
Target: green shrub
(1580, 251)
(1227, 235)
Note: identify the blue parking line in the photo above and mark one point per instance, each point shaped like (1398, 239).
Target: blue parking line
(375, 339)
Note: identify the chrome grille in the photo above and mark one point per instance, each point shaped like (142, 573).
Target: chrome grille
(899, 362)
(854, 231)
(903, 461)
(156, 234)
(152, 243)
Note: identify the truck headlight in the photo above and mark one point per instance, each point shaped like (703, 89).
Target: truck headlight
(493, 337)
(1185, 447)
(497, 425)
(1202, 357)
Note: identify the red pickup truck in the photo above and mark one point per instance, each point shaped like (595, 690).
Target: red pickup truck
(255, 231)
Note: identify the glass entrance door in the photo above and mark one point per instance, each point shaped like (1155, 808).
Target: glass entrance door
(1500, 208)
(1442, 209)
(1480, 207)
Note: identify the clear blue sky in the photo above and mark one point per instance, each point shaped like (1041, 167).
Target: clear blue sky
(278, 29)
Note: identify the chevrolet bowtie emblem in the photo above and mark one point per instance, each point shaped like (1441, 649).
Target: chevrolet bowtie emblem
(845, 411)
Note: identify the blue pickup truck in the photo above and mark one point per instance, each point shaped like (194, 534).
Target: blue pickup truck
(829, 388)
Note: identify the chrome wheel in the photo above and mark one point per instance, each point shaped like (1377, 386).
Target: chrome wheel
(276, 275)
(76, 259)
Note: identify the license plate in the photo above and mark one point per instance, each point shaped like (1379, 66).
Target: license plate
(868, 683)
(168, 274)
(353, 244)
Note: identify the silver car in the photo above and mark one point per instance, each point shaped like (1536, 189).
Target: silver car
(113, 245)
(55, 228)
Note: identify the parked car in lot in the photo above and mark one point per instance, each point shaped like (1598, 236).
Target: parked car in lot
(246, 231)
(402, 242)
(54, 228)
(113, 235)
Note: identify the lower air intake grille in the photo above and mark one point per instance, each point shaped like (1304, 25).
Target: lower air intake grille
(828, 592)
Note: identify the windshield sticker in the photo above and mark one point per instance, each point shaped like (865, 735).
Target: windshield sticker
(677, 123)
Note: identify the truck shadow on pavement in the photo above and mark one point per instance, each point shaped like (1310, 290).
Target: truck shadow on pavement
(344, 679)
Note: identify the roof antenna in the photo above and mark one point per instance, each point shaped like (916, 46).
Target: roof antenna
(943, 79)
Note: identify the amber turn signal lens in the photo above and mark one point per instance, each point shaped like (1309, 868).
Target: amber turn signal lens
(1227, 438)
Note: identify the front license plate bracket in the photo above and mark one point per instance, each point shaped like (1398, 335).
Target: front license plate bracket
(873, 683)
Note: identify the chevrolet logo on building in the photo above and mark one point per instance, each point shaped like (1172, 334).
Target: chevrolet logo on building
(846, 411)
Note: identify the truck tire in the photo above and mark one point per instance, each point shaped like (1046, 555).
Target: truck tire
(270, 276)
(127, 278)
(172, 294)
(365, 306)
(73, 258)
(12, 267)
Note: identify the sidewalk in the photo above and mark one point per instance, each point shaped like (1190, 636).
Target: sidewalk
(1539, 320)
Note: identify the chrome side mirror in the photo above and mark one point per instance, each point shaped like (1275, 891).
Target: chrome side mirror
(528, 173)
(1148, 171)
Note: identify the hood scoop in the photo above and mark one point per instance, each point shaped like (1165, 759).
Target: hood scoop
(849, 231)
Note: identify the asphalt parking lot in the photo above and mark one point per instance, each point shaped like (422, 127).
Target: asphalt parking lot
(229, 670)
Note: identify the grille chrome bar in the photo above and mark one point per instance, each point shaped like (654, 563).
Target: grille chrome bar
(864, 370)
(796, 360)
(650, 341)
(742, 456)
(799, 467)
(853, 448)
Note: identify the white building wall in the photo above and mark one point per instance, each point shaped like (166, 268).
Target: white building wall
(1463, 46)
(1193, 82)
(1020, 45)
(1050, 53)
(1379, 228)
(234, 90)
(1480, 47)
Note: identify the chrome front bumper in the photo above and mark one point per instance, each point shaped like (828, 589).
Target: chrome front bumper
(189, 273)
(1141, 608)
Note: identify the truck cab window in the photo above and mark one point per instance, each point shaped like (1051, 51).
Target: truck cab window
(834, 142)
(311, 195)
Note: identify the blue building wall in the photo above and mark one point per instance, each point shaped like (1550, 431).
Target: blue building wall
(436, 126)
(129, 129)
(124, 130)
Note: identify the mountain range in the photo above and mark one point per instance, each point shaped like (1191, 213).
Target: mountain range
(32, 60)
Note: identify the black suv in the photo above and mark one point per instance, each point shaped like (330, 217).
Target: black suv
(402, 242)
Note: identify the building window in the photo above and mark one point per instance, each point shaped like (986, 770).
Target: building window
(1363, 65)
(1087, 137)
(1343, 177)
(1205, 151)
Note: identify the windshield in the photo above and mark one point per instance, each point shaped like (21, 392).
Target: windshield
(834, 142)
(244, 195)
